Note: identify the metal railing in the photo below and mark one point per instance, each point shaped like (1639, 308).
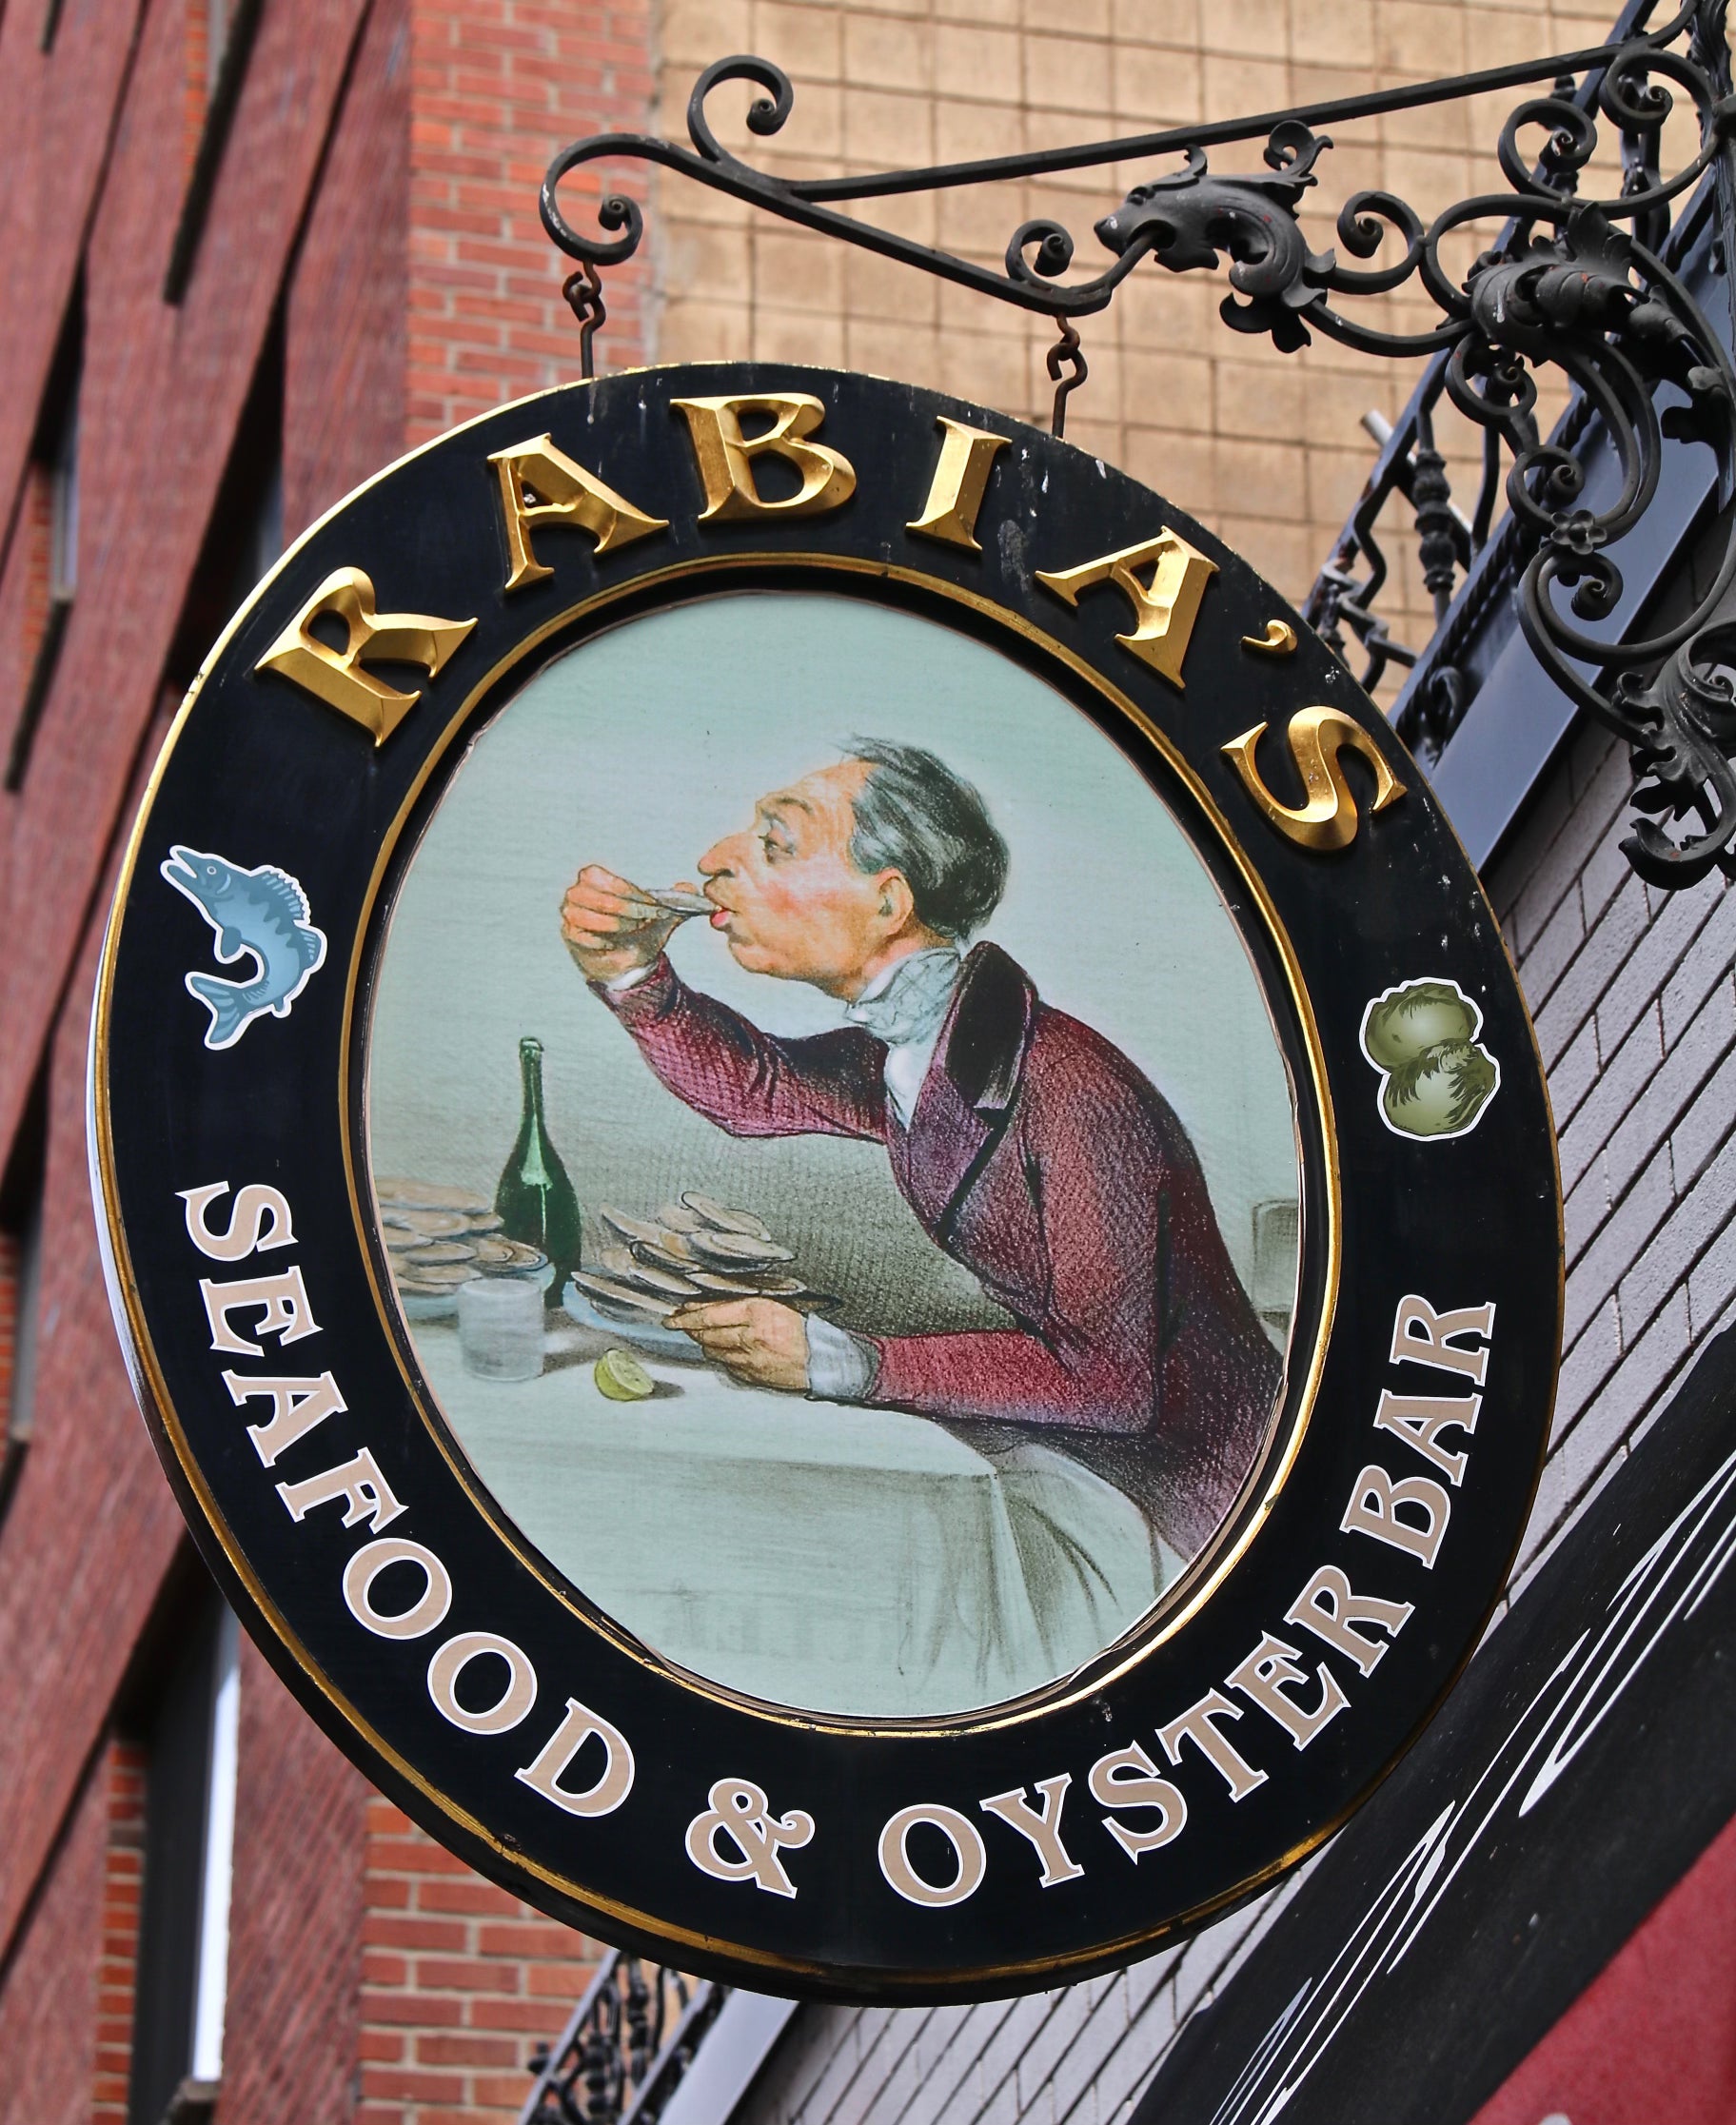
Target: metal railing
(626, 2048)
(1409, 470)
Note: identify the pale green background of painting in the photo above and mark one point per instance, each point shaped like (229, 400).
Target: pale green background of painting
(637, 751)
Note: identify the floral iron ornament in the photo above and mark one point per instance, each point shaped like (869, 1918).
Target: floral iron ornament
(1576, 283)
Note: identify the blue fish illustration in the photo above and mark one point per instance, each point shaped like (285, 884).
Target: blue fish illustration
(263, 912)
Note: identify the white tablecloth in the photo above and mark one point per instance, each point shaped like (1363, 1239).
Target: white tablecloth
(826, 1557)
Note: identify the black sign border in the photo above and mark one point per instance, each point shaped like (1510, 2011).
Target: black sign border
(1091, 654)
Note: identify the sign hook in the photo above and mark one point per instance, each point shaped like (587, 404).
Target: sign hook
(1065, 354)
(584, 291)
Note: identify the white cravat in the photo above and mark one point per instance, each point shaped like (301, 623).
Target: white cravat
(906, 1008)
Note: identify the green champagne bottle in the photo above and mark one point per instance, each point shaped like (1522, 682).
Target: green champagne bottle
(535, 1200)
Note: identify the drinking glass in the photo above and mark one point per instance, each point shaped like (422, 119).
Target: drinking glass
(500, 1327)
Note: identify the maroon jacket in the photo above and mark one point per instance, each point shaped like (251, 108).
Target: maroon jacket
(1044, 1161)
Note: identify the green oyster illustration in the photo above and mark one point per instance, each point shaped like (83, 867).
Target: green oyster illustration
(1442, 1092)
(1408, 1021)
(1436, 1078)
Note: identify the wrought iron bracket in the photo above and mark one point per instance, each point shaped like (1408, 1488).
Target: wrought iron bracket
(1580, 285)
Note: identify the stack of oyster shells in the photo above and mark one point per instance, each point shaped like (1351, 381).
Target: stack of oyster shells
(439, 1235)
(689, 1252)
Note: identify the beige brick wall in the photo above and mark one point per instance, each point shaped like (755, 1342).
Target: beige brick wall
(1267, 448)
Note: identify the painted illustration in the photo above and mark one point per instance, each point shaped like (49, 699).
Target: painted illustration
(1436, 1078)
(1030, 1149)
(906, 1302)
(263, 911)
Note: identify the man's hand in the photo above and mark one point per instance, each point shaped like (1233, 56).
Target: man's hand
(755, 1339)
(610, 926)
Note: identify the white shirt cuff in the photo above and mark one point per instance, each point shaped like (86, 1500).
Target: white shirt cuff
(621, 983)
(841, 1366)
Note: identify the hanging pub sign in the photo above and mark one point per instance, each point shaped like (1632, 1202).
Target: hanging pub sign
(827, 1187)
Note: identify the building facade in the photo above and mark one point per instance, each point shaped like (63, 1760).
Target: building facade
(251, 251)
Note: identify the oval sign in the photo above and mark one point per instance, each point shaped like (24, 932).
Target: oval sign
(829, 1193)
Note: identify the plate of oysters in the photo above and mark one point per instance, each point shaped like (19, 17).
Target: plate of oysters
(686, 1253)
(437, 1236)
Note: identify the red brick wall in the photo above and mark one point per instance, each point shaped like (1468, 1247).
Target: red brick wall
(73, 1596)
(120, 1776)
(500, 85)
(75, 1591)
(460, 1980)
(347, 333)
(48, 1984)
(57, 117)
(384, 200)
(177, 375)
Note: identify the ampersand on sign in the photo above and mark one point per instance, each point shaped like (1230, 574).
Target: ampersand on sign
(741, 1812)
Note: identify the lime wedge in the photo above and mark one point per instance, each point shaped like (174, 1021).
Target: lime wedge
(621, 1376)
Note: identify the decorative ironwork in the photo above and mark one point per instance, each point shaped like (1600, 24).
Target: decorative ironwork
(623, 2054)
(1580, 285)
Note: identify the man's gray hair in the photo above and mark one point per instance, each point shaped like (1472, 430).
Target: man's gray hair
(916, 817)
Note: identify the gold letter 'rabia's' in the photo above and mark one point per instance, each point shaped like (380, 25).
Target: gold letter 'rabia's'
(566, 495)
(1329, 819)
(1278, 639)
(336, 676)
(725, 456)
(954, 495)
(1164, 613)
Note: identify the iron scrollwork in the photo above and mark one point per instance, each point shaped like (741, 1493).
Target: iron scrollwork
(626, 2048)
(1582, 286)
(1187, 220)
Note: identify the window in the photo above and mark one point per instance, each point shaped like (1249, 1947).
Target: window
(21, 1323)
(245, 532)
(63, 506)
(209, 23)
(211, 1973)
(190, 1732)
(219, 38)
(50, 529)
(22, 1258)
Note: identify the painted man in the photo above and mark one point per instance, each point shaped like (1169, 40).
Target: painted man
(1032, 1150)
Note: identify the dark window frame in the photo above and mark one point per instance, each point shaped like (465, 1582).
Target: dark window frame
(22, 1194)
(54, 455)
(176, 1709)
(213, 139)
(245, 534)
